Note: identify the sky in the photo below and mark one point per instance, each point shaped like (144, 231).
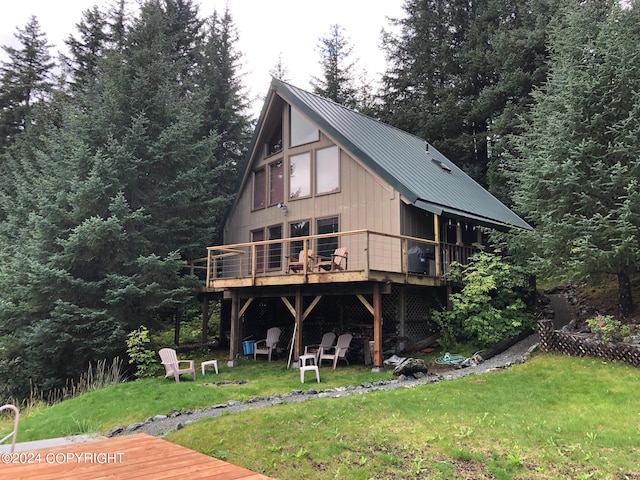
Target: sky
(267, 29)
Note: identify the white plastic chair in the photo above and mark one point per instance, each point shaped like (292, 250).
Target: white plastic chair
(338, 352)
(14, 433)
(172, 364)
(326, 343)
(266, 345)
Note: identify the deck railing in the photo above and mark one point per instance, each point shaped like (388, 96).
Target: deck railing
(366, 251)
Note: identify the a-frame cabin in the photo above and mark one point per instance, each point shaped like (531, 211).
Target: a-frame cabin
(320, 177)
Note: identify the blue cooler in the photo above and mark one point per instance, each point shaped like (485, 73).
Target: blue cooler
(247, 347)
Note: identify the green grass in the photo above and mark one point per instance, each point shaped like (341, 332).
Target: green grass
(126, 403)
(552, 417)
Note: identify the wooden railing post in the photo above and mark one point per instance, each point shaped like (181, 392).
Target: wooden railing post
(367, 265)
(254, 263)
(405, 259)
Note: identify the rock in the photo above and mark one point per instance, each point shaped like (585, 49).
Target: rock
(114, 431)
(410, 366)
(133, 427)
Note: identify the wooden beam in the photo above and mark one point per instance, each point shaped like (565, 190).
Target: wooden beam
(436, 230)
(377, 326)
(287, 304)
(245, 306)
(366, 304)
(311, 307)
(298, 326)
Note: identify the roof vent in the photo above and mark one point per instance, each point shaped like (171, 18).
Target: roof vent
(441, 165)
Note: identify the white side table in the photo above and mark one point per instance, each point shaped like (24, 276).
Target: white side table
(209, 362)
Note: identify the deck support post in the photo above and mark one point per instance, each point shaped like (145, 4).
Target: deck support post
(298, 328)
(234, 340)
(377, 327)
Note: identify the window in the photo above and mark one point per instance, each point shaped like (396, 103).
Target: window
(298, 229)
(276, 182)
(326, 246)
(275, 249)
(258, 236)
(328, 170)
(274, 144)
(302, 130)
(300, 176)
(259, 188)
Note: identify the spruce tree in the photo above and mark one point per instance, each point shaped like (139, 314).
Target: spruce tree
(579, 156)
(25, 80)
(125, 185)
(337, 80)
(459, 75)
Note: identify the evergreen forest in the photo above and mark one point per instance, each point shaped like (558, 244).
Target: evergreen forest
(119, 160)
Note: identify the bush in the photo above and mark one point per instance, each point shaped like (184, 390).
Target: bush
(139, 355)
(490, 306)
(609, 328)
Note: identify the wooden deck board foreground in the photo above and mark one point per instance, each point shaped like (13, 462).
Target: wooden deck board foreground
(137, 456)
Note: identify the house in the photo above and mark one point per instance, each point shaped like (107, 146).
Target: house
(321, 177)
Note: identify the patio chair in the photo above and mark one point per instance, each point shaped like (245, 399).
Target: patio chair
(267, 345)
(326, 342)
(338, 352)
(13, 433)
(172, 364)
(335, 262)
(297, 265)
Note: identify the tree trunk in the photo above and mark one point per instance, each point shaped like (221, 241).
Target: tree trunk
(176, 331)
(625, 300)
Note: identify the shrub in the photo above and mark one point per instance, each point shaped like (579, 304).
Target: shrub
(144, 358)
(489, 308)
(609, 328)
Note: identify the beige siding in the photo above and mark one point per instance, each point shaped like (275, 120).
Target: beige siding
(364, 201)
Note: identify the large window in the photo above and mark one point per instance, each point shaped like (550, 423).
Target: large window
(326, 246)
(302, 130)
(328, 170)
(275, 249)
(259, 188)
(296, 230)
(300, 176)
(276, 182)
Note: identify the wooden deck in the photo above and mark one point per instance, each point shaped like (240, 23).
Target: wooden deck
(372, 257)
(137, 456)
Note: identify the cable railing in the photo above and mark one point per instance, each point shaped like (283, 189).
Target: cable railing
(364, 251)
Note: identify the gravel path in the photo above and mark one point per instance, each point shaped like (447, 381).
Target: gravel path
(160, 425)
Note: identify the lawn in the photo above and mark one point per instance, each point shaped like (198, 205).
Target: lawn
(552, 417)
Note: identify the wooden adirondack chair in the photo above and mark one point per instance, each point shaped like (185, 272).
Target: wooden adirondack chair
(335, 262)
(326, 342)
(296, 266)
(14, 432)
(338, 352)
(172, 364)
(267, 345)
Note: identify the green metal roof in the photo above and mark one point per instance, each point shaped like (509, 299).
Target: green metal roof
(409, 164)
